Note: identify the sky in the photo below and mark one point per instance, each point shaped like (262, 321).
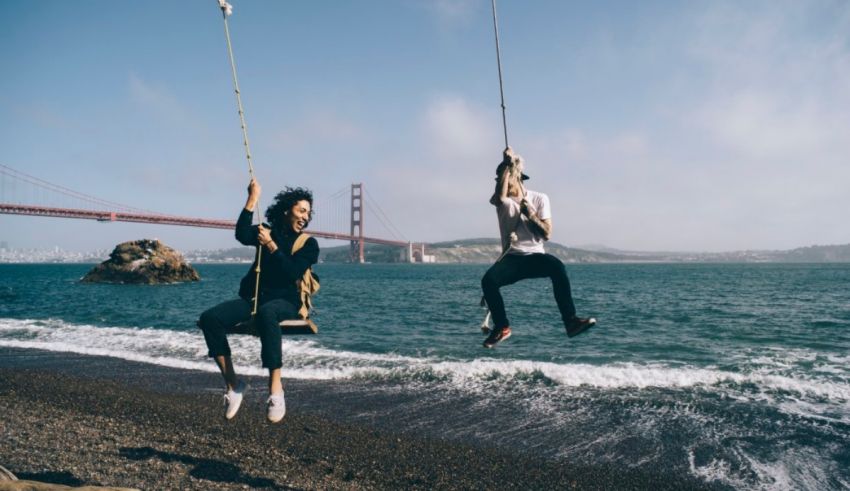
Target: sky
(676, 126)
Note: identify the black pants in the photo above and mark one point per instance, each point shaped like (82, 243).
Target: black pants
(514, 267)
(216, 321)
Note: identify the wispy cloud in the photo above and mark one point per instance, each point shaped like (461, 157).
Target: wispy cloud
(456, 129)
(159, 101)
(321, 126)
(453, 12)
(778, 87)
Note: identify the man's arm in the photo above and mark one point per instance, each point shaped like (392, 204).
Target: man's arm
(542, 227)
(501, 192)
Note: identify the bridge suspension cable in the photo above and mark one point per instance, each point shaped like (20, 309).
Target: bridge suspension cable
(18, 176)
(382, 217)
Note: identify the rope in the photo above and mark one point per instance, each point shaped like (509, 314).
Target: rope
(501, 84)
(499, 64)
(226, 10)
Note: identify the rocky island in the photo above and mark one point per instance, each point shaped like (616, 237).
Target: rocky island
(142, 261)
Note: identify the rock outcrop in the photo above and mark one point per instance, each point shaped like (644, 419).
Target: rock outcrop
(142, 262)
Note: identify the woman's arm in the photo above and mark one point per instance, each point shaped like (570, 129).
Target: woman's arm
(293, 267)
(246, 233)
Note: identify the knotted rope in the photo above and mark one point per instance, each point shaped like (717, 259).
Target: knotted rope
(227, 10)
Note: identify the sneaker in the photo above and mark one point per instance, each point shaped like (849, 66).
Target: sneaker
(578, 325)
(276, 407)
(497, 336)
(233, 399)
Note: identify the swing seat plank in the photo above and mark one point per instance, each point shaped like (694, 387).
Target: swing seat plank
(288, 326)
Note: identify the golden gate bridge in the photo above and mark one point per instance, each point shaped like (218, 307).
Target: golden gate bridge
(23, 194)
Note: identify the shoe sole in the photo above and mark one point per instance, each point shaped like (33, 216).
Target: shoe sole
(582, 330)
(490, 346)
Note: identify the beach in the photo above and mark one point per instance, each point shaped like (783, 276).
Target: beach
(693, 379)
(86, 420)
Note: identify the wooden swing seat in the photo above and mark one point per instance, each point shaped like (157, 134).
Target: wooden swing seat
(288, 326)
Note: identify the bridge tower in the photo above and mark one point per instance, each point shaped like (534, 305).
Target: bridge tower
(356, 251)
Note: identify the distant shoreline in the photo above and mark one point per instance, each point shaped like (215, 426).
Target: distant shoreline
(483, 251)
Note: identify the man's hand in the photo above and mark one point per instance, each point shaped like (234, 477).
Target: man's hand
(523, 208)
(542, 227)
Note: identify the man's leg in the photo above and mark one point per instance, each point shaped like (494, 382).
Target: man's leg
(547, 265)
(505, 272)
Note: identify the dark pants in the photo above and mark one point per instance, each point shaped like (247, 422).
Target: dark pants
(514, 267)
(216, 321)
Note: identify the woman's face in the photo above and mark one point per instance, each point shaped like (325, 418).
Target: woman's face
(299, 215)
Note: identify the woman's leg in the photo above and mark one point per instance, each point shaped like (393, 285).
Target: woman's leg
(268, 318)
(267, 322)
(214, 323)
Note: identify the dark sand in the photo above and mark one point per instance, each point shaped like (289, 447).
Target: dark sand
(85, 420)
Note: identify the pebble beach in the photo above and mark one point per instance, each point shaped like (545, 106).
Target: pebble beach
(83, 420)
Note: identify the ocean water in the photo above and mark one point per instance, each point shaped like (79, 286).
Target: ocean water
(735, 374)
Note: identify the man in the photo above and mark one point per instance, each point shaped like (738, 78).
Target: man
(525, 222)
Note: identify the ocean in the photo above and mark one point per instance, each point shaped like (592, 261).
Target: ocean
(736, 374)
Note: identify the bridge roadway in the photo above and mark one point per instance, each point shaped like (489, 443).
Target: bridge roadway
(119, 216)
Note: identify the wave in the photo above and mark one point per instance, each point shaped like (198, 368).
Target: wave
(765, 376)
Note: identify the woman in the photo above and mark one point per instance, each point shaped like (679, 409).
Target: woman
(278, 295)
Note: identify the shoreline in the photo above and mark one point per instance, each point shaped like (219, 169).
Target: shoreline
(87, 420)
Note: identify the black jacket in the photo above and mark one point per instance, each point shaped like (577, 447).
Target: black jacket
(279, 271)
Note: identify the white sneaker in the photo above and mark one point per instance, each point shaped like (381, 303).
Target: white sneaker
(233, 399)
(277, 407)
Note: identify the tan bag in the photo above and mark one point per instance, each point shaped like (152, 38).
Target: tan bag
(308, 285)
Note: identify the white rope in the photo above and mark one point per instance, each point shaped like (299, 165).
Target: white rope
(226, 10)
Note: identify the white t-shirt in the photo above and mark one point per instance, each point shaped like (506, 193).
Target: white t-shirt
(512, 220)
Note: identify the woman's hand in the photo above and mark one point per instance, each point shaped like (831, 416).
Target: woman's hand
(264, 237)
(254, 191)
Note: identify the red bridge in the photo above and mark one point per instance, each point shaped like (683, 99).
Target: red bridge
(114, 212)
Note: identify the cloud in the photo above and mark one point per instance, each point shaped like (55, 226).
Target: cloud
(158, 101)
(321, 126)
(442, 180)
(778, 87)
(456, 130)
(451, 12)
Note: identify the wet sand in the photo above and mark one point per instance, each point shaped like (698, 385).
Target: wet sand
(85, 420)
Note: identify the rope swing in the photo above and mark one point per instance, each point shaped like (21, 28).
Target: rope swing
(227, 10)
(499, 64)
(515, 167)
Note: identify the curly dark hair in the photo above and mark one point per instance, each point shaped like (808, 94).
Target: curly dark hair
(284, 201)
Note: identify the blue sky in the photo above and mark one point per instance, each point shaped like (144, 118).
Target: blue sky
(703, 126)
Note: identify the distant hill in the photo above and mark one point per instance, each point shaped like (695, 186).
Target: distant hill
(486, 250)
(471, 251)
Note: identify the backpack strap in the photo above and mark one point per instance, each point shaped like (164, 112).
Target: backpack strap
(299, 243)
(307, 285)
